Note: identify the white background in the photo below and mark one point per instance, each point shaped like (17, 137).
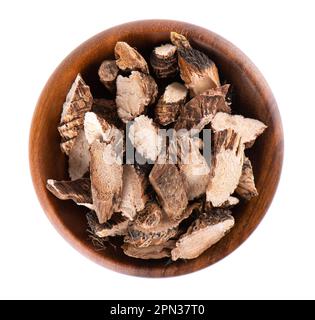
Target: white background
(277, 261)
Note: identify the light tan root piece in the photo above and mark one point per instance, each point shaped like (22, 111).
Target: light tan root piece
(144, 136)
(204, 232)
(106, 179)
(226, 166)
(79, 157)
(134, 94)
(133, 197)
(193, 167)
(249, 129)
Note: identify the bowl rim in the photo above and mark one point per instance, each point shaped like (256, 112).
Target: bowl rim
(239, 57)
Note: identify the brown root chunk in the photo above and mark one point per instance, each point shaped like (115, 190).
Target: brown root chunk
(108, 72)
(133, 197)
(168, 106)
(77, 190)
(164, 61)
(197, 70)
(79, 157)
(169, 186)
(106, 179)
(134, 94)
(246, 186)
(106, 109)
(144, 136)
(151, 252)
(129, 59)
(153, 219)
(78, 101)
(226, 166)
(115, 226)
(249, 129)
(205, 231)
(200, 110)
(193, 167)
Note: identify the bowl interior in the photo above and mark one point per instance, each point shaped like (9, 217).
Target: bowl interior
(251, 97)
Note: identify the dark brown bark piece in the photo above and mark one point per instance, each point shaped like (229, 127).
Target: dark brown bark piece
(115, 226)
(129, 59)
(168, 106)
(164, 61)
(246, 186)
(134, 94)
(77, 190)
(204, 232)
(200, 110)
(108, 72)
(78, 101)
(150, 252)
(197, 70)
(106, 179)
(106, 108)
(226, 166)
(249, 129)
(169, 186)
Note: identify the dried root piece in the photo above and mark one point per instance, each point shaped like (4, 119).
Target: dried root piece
(97, 128)
(115, 226)
(151, 252)
(79, 157)
(226, 166)
(133, 197)
(169, 186)
(249, 129)
(154, 219)
(108, 72)
(78, 101)
(200, 110)
(230, 202)
(164, 61)
(106, 109)
(168, 106)
(246, 187)
(207, 230)
(144, 136)
(78, 190)
(134, 93)
(193, 167)
(197, 70)
(129, 59)
(141, 240)
(106, 179)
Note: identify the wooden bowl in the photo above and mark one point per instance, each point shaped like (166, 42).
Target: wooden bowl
(252, 98)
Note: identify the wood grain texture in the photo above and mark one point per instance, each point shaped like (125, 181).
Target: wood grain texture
(253, 98)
